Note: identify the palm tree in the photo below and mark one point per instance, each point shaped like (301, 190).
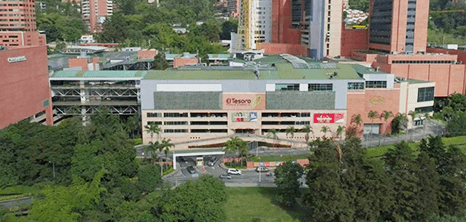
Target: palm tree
(165, 145)
(307, 129)
(133, 124)
(290, 130)
(325, 129)
(152, 148)
(372, 115)
(153, 128)
(340, 131)
(272, 134)
(357, 120)
(236, 144)
(386, 115)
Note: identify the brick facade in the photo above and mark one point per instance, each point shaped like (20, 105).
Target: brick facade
(353, 39)
(24, 89)
(373, 99)
(277, 48)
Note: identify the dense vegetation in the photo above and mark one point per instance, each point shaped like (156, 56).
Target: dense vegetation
(61, 21)
(403, 185)
(146, 25)
(90, 173)
(452, 110)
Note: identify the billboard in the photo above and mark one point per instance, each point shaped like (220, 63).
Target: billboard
(254, 101)
(329, 117)
(244, 116)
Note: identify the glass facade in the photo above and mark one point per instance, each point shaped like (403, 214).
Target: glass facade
(355, 85)
(321, 87)
(425, 94)
(376, 84)
(286, 87)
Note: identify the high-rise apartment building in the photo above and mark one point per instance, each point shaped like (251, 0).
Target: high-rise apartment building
(17, 16)
(18, 24)
(306, 27)
(94, 13)
(399, 26)
(255, 22)
(321, 30)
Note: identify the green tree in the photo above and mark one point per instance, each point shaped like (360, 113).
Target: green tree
(236, 144)
(326, 197)
(272, 134)
(307, 130)
(160, 62)
(115, 29)
(362, 5)
(227, 28)
(205, 196)
(67, 203)
(340, 131)
(153, 148)
(290, 131)
(165, 146)
(325, 130)
(133, 125)
(386, 115)
(401, 165)
(149, 178)
(399, 122)
(287, 178)
(153, 128)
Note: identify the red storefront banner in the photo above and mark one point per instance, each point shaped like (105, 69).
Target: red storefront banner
(328, 117)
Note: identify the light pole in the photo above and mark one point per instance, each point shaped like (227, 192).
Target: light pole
(260, 165)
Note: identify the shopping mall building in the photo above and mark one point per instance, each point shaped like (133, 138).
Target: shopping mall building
(201, 106)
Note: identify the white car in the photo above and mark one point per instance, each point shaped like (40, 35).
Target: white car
(234, 171)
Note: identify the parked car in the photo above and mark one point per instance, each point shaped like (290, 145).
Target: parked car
(262, 169)
(191, 169)
(234, 171)
(211, 162)
(224, 176)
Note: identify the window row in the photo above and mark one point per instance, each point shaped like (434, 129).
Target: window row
(187, 115)
(286, 114)
(196, 131)
(311, 87)
(355, 85)
(422, 61)
(376, 84)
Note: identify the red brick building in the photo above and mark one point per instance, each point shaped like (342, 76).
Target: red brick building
(17, 16)
(24, 89)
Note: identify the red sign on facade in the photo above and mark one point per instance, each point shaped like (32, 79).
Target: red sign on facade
(328, 117)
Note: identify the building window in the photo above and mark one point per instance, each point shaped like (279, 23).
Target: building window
(152, 122)
(286, 87)
(425, 109)
(154, 115)
(303, 123)
(175, 123)
(175, 131)
(321, 87)
(425, 94)
(355, 85)
(376, 84)
(175, 115)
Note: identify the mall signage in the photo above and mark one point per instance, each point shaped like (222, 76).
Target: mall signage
(244, 117)
(17, 59)
(243, 101)
(328, 117)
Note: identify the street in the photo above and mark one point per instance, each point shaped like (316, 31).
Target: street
(248, 177)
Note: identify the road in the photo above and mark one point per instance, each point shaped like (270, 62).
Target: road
(248, 177)
(16, 202)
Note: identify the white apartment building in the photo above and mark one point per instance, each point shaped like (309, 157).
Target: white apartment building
(255, 22)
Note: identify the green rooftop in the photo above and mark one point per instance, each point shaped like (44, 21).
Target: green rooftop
(273, 67)
(98, 74)
(363, 70)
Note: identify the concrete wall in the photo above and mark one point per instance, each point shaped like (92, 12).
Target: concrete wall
(281, 24)
(281, 48)
(449, 78)
(24, 85)
(353, 39)
(373, 99)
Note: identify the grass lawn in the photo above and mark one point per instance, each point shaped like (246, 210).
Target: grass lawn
(256, 204)
(459, 141)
